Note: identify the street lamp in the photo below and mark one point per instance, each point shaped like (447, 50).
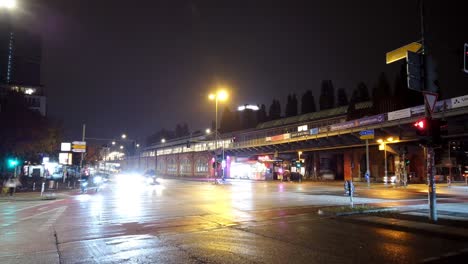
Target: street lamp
(8, 4)
(220, 95)
(124, 136)
(208, 131)
(163, 140)
(137, 145)
(121, 147)
(383, 143)
(113, 143)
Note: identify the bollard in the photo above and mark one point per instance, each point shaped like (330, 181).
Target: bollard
(34, 186)
(42, 188)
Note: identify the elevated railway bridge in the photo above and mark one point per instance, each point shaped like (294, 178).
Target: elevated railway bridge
(321, 145)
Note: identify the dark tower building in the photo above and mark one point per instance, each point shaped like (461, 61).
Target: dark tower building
(20, 63)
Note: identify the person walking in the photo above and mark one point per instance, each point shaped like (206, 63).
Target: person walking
(11, 185)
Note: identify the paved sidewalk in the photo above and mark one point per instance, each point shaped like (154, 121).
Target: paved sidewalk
(35, 196)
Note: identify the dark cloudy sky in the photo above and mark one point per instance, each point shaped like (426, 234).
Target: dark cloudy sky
(138, 66)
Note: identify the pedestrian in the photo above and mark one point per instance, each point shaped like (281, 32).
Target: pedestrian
(11, 185)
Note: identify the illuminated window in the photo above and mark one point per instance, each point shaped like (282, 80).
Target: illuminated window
(302, 128)
(201, 166)
(171, 165)
(185, 166)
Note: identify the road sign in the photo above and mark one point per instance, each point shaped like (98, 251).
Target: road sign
(400, 53)
(79, 146)
(430, 99)
(367, 134)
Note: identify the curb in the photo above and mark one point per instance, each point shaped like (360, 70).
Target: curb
(412, 226)
(377, 210)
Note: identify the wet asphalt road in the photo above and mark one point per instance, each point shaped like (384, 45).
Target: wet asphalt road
(197, 222)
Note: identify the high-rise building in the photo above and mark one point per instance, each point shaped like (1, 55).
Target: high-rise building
(20, 63)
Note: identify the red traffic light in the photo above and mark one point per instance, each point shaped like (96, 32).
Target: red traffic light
(421, 124)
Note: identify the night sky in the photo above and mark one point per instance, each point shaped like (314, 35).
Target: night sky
(139, 66)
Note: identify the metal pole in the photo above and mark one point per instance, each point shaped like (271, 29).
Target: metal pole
(449, 181)
(367, 163)
(82, 154)
(216, 137)
(432, 186)
(385, 154)
(430, 149)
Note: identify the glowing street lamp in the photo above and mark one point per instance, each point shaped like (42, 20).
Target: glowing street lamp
(163, 140)
(121, 147)
(208, 131)
(220, 95)
(124, 136)
(8, 4)
(137, 145)
(113, 143)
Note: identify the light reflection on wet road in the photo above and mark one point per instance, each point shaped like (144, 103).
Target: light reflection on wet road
(192, 222)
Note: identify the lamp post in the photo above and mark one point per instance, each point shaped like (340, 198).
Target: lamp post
(384, 143)
(220, 95)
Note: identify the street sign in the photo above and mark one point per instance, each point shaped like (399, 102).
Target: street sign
(79, 146)
(400, 53)
(65, 146)
(65, 158)
(367, 134)
(430, 99)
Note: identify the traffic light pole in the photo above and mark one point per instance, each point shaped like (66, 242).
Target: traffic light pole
(429, 149)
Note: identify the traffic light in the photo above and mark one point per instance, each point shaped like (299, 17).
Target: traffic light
(12, 163)
(422, 127)
(439, 128)
(414, 71)
(432, 84)
(465, 58)
(431, 129)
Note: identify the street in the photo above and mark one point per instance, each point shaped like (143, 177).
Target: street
(199, 222)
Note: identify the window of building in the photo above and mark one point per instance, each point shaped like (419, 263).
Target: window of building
(201, 166)
(171, 165)
(185, 166)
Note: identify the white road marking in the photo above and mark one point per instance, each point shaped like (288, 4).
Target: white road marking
(53, 218)
(35, 215)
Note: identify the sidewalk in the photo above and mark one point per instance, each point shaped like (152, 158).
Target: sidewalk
(35, 196)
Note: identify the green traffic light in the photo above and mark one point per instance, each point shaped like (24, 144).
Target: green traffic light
(12, 163)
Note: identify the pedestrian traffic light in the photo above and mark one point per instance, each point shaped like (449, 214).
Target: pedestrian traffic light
(465, 58)
(12, 163)
(422, 127)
